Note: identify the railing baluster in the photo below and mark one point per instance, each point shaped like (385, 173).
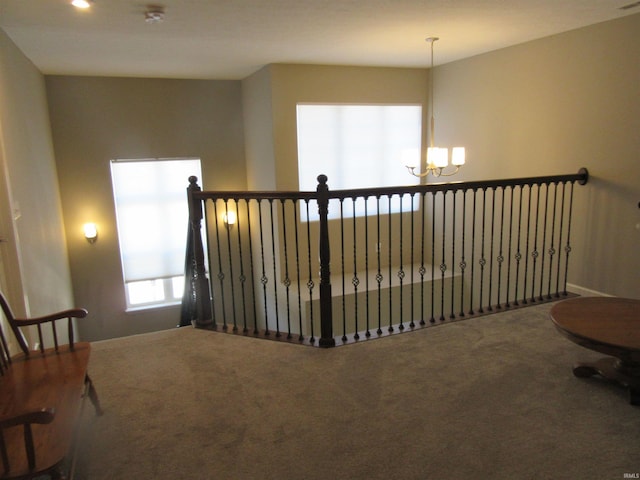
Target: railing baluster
(432, 319)
(443, 265)
(552, 249)
(263, 279)
(233, 296)
(567, 247)
(500, 258)
(535, 252)
(287, 280)
(412, 324)
(355, 281)
(379, 277)
(473, 251)
(310, 283)
(251, 269)
(562, 204)
(528, 237)
(544, 240)
(453, 255)
(275, 275)
(492, 242)
(296, 204)
(518, 255)
(389, 250)
(511, 195)
(463, 263)
(483, 260)
(344, 293)
(422, 270)
(401, 269)
(366, 263)
(220, 272)
(242, 276)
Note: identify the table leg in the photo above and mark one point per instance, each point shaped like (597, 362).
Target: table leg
(613, 369)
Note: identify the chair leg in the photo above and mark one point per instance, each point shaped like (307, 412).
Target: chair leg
(93, 396)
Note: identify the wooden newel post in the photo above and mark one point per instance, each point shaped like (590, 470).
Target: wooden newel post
(203, 294)
(326, 314)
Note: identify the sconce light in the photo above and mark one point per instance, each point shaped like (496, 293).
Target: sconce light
(82, 4)
(229, 219)
(90, 232)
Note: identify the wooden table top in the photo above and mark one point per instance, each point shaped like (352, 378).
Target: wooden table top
(609, 320)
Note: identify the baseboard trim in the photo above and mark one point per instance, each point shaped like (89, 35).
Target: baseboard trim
(586, 292)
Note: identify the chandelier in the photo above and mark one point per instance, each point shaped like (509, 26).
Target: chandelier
(437, 157)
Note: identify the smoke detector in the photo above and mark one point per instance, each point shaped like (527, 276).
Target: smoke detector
(154, 14)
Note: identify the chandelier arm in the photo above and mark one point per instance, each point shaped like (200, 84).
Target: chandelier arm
(449, 174)
(435, 171)
(412, 171)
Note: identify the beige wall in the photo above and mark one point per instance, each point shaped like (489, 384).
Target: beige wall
(552, 106)
(35, 255)
(270, 97)
(95, 120)
(258, 129)
(292, 84)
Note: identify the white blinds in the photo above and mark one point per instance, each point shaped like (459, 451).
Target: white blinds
(357, 146)
(152, 215)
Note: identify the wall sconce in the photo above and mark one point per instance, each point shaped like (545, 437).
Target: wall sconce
(229, 219)
(90, 232)
(82, 4)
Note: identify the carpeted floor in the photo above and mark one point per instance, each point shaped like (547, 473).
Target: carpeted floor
(486, 398)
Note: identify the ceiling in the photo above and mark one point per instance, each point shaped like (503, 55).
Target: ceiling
(230, 39)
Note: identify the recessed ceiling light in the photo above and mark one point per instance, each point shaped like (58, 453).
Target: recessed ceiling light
(81, 3)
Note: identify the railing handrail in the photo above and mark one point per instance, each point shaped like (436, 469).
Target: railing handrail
(581, 177)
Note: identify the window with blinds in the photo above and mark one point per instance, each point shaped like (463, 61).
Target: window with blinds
(152, 217)
(357, 146)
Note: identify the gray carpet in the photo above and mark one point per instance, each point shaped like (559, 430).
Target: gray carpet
(491, 397)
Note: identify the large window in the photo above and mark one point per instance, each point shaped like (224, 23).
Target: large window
(152, 217)
(357, 146)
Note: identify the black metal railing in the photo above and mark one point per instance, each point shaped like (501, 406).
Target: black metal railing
(331, 267)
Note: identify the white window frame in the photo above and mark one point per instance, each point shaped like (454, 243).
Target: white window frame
(158, 292)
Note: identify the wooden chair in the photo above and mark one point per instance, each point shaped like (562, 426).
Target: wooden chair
(41, 397)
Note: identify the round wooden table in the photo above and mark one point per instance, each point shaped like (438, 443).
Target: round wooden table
(608, 325)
